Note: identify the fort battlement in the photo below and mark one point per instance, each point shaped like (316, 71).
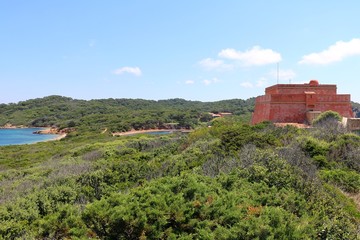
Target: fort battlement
(299, 103)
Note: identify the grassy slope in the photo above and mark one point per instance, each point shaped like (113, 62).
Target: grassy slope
(230, 181)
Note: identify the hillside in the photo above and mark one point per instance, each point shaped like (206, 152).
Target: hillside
(230, 181)
(224, 180)
(117, 114)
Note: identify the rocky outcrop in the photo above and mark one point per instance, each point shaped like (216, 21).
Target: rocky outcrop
(55, 131)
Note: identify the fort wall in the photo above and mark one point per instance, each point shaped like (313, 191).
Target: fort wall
(290, 103)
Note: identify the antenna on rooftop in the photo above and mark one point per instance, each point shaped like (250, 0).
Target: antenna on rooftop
(277, 78)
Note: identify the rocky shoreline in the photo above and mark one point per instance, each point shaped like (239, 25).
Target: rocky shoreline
(61, 133)
(44, 130)
(53, 130)
(47, 131)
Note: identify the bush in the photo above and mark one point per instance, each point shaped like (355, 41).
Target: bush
(328, 116)
(345, 179)
(314, 147)
(321, 161)
(346, 151)
(328, 126)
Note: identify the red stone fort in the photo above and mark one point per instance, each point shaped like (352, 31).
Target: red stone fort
(300, 103)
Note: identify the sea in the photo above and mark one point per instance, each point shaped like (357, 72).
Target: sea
(23, 136)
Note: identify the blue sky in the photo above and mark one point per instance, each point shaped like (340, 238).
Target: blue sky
(196, 50)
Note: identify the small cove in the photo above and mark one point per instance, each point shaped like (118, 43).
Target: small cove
(19, 136)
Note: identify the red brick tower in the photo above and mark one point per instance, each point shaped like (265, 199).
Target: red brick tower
(294, 103)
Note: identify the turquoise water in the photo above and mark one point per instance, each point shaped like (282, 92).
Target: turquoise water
(22, 136)
(159, 133)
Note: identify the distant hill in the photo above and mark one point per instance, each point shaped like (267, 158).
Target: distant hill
(121, 114)
(356, 109)
(117, 114)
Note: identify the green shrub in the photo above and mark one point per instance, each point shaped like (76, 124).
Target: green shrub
(327, 116)
(321, 161)
(314, 147)
(346, 179)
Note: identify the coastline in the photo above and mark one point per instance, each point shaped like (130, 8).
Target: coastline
(52, 131)
(10, 126)
(24, 136)
(58, 137)
(55, 133)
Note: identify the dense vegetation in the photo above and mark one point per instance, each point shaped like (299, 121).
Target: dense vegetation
(356, 109)
(227, 181)
(117, 114)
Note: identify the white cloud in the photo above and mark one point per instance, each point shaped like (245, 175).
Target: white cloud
(259, 83)
(253, 57)
(246, 84)
(335, 53)
(283, 74)
(132, 70)
(189, 82)
(212, 64)
(211, 81)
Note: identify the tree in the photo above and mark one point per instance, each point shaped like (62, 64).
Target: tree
(328, 116)
(328, 125)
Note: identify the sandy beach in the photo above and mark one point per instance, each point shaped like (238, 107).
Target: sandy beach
(132, 132)
(60, 136)
(139, 132)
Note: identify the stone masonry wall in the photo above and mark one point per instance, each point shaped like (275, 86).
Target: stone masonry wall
(289, 103)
